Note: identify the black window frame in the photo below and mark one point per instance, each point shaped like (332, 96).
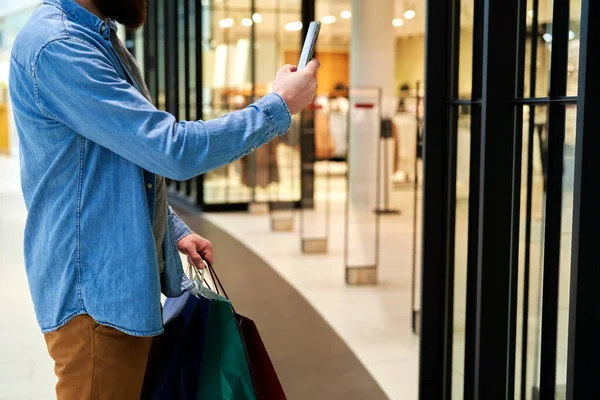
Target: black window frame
(497, 105)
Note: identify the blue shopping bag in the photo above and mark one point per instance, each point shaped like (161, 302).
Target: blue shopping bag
(174, 362)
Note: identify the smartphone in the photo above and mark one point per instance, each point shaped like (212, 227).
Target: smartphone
(308, 49)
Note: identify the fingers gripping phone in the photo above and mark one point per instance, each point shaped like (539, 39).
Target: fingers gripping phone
(308, 49)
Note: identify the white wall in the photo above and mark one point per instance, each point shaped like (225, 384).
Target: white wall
(410, 61)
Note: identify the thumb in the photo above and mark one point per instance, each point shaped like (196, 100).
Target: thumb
(312, 67)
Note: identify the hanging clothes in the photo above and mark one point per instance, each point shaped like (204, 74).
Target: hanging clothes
(267, 169)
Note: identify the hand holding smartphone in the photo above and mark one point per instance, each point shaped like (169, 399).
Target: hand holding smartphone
(308, 49)
(297, 86)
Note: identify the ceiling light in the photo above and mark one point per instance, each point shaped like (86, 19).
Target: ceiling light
(346, 14)
(247, 22)
(547, 37)
(530, 13)
(409, 14)
(328, 19)
(398, 22)
(257, 18)
(226, 23)
(293, 26)
(571, 35)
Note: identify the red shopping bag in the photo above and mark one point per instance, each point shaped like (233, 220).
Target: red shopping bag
(264, 377)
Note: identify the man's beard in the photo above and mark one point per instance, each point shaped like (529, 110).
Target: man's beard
(131, 13)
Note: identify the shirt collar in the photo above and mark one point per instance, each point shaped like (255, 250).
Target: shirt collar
(79, 14)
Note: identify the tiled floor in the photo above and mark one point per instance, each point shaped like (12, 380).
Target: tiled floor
(311, 360)
(26, 370)
(375, 321)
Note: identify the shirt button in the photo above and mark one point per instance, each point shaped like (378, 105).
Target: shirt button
(252, 149)
(149, 185)
(102, 28)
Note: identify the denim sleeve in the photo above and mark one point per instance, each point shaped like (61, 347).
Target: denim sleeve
(178, 227)
(77, 85)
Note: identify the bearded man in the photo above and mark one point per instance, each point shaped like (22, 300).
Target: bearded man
(101, 242)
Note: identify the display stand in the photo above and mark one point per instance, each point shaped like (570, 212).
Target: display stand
(415, 306)
(387, 143)
(315, 211)
(361, 252)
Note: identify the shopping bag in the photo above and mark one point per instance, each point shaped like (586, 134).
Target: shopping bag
(264, 378)
(175, 357)
(224, 373)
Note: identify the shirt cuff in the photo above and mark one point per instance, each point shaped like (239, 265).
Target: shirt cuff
(178, 227)
(277, 112)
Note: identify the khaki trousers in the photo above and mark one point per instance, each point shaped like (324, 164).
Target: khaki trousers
(97, 362)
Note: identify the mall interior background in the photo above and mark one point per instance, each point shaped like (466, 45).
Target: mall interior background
(205, 64)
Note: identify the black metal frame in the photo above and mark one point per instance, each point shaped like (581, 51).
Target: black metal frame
(583, 368)
(150, 49)
(495, 265)
(529, 204)
(435, 324)
(497, 101)
(474, 179)
(552, 237)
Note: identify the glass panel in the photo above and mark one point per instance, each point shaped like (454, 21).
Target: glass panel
(543, 36)
(139, 48)
(565, 250)
(535, 139)
(463, 149)
(192, 83)
(277, 163)
(528, 48)
(463, 164)
(525, 162)
(270, 5)
(332, 49)
(573, 69)
(266, 164)
(161, 54)
(181, 57)
(231, 82)
(226, 87)
(544, 53)
(465, 56)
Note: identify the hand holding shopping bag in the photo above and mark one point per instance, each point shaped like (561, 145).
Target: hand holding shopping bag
(208, 352)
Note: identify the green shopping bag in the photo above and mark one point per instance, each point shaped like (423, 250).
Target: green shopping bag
(225, 372)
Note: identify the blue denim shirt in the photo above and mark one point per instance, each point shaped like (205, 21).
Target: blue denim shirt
(90, 146)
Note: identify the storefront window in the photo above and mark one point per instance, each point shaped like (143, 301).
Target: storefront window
(243, 46)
